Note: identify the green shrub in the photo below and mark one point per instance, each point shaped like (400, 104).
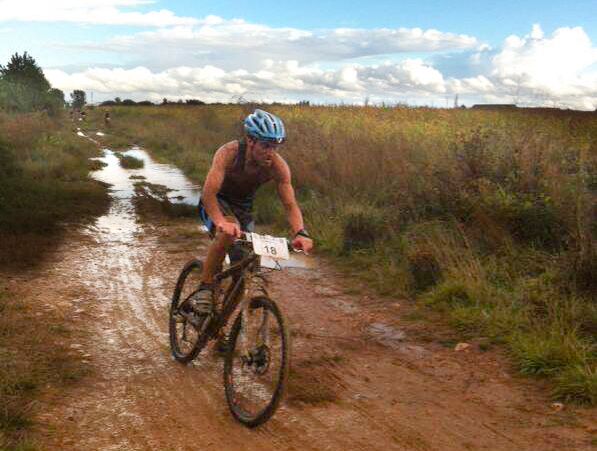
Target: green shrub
(530, 218)
(130, 162)
(577, 384)
(450, 292)
(548, 353)
(363, 225)
(425, 270)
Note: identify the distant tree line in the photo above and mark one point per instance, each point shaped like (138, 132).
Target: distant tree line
(129, 102)
(24, 87)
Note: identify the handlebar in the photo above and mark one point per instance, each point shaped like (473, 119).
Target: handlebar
(246, 238)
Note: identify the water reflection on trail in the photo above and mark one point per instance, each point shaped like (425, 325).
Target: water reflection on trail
(181, 189)
(117, 270)
(120, 224)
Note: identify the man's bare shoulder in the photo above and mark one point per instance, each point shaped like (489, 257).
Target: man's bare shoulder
(280, 168)
(226, 154)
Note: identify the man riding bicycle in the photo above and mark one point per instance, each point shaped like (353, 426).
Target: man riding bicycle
(238, 169)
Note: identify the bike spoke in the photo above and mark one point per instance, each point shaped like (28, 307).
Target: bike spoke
(185, 336)
(256, 374)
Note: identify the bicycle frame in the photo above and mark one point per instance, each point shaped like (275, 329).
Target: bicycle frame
(239, 292)
(258, 342)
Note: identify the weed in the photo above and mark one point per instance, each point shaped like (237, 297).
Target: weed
(425, 270)
(12, 421)
(450, 293)
(96, 165)
(363, 225)
(545, 354)
(130, 162)
(577, 384)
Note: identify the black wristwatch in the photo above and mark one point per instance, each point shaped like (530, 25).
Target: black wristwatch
(302, 232)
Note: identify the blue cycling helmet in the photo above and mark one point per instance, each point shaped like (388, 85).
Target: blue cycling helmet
(265, 126)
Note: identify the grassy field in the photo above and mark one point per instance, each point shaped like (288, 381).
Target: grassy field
(44, 186)
(487, 216)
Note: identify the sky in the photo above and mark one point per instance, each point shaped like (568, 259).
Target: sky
(436, 53)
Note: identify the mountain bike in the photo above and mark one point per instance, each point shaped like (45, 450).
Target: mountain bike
(257, 354)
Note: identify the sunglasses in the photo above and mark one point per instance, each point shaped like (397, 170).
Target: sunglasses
(269, 143)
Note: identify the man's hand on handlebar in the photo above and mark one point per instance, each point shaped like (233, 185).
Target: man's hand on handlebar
(229, 228)
(302, 242)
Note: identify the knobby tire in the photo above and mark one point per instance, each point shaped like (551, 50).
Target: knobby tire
(255, 419)
(177, 319)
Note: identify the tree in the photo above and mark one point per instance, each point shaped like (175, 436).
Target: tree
(54, 101)
(24, 70)
(24, 86)
(78, 98)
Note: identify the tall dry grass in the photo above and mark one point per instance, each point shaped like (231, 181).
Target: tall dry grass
(44, 183)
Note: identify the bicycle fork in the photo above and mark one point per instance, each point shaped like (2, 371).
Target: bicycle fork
(251, 324)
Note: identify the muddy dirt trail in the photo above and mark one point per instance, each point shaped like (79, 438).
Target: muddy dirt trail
(363, 377)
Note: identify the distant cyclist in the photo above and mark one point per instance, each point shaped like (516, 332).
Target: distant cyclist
(238, 169)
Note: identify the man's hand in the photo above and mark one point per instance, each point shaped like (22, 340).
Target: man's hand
(229, 228)
(302, 242)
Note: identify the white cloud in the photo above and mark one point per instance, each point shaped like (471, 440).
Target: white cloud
(475, 85)
(275, 80)
(537, 69)
(555, 66)
(225, 42)
(218, 59)
(88, 11)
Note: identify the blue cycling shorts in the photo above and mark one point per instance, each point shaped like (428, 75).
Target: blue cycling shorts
(242, 214)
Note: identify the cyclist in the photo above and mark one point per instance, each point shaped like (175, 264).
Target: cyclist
(238, 169)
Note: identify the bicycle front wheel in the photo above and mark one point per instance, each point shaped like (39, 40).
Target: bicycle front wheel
(186, 339)
(257, 362)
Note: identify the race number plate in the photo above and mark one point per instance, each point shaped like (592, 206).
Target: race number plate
(270, 246)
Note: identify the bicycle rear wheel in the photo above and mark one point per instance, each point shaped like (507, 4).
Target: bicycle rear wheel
(186, 339)
(257, 362)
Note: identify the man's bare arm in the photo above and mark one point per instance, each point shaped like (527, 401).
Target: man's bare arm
(214, 180)
(287, 195)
